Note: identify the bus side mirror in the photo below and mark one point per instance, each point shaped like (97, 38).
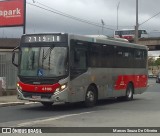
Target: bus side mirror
(15, 56)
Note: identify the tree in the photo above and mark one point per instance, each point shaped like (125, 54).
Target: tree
(157, 63)
(151, 61)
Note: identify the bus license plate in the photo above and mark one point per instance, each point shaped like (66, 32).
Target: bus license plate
(36, 97)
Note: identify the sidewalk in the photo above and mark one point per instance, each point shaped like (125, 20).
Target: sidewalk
(10, 100)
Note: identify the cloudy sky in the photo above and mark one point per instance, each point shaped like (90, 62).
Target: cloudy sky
(40, 20)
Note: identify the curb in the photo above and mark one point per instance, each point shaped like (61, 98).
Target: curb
(11, 104)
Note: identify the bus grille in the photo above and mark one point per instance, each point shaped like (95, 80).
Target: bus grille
(43, 95)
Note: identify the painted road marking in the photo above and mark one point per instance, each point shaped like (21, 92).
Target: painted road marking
(27, 103)
(51, 119)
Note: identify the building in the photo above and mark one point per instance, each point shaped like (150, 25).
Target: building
(8, 72)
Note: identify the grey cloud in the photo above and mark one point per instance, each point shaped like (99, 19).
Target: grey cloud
(39, 20)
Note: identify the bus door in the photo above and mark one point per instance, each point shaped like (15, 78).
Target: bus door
(108, 63)
(78, 70)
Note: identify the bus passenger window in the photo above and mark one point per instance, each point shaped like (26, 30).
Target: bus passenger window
(78, 60)
(138, 54)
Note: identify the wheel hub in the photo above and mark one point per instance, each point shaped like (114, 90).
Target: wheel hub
(90, 96)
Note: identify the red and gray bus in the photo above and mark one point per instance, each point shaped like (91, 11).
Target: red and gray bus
(129, 34)
(68, 68)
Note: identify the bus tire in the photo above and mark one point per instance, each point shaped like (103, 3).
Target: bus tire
(91, 97)
(47, 104)
(129, 92)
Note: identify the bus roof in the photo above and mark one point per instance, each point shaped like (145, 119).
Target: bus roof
(96, 39)
(107, 40)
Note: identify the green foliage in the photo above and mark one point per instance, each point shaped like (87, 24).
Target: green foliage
(157, 62)
(153, 62)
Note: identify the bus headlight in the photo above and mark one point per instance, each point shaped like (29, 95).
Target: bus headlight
(19, 87)
(61, 88)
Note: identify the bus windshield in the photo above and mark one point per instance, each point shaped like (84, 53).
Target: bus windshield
(43, 61)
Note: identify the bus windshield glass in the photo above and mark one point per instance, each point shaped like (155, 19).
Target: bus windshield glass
(48, 61)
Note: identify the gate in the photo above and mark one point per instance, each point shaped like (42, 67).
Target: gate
(8, 72)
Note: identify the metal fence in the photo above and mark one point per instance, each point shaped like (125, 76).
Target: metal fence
(8, 72)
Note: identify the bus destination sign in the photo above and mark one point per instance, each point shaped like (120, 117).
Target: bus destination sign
(43, 38)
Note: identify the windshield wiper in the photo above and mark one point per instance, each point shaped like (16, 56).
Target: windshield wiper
(46, 54)
(32, 60)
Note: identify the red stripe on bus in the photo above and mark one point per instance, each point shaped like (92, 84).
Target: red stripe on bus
(39, 88)
(128, 37)
(139, 81)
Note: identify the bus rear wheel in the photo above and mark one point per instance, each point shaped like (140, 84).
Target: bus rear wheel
(91, 97)
(47, 104)
(129, 94)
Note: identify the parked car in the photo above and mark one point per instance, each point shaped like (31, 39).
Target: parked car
(158, 78)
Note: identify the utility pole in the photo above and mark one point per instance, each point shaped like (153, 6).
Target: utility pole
(24, 18)
(137, 25)
(117, 13)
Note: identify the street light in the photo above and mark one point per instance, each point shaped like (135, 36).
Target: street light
(117, 13)
(137, 25)
(102, 25)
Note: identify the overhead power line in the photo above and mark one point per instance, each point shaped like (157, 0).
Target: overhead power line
(79, 18)
(149, 18)
(47, 8)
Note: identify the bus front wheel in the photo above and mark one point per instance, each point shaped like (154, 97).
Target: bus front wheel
(91, 97)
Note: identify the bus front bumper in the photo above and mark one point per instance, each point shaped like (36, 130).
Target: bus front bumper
(60, 97)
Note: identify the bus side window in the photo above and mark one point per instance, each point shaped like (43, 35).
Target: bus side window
(80, 59)
(78, 56)
(139, 58)
(138, 54)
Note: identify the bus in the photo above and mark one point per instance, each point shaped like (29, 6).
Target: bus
(69, 68)
(129, 34)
